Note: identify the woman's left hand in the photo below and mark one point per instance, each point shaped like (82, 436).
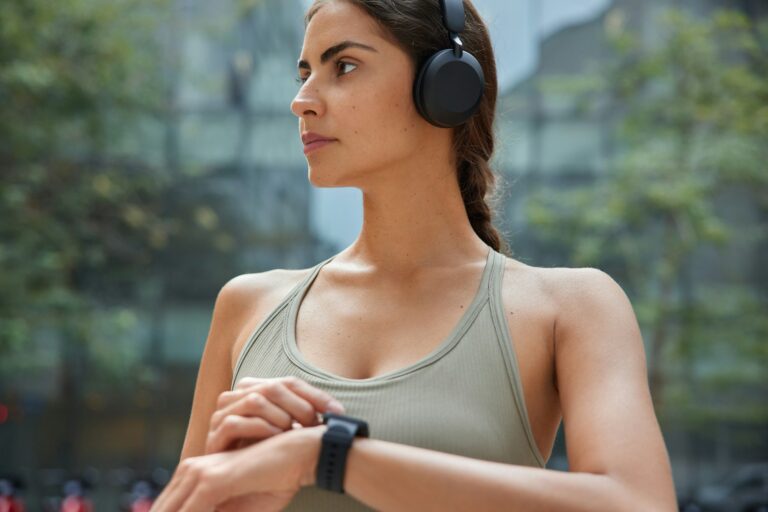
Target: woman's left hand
(264, 476)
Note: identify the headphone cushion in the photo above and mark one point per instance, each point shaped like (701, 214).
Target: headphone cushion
(448, 90)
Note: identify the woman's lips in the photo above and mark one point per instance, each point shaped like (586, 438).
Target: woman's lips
(317, 144)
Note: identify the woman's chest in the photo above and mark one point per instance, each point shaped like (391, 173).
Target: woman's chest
(367, 337)
(362, 336)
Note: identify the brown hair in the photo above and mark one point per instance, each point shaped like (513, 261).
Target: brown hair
(417, 27)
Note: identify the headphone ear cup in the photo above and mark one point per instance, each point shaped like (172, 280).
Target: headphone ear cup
(418, 88)
(447, 89)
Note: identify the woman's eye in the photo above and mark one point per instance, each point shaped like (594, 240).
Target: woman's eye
(339, 64)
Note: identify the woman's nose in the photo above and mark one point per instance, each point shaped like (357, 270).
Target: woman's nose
(307, 102)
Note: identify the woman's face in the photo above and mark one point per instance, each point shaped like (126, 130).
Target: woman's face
(358, 95)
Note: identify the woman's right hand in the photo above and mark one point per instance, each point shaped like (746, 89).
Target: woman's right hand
(260, 408)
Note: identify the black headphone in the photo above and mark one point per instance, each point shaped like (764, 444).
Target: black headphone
(450, 84)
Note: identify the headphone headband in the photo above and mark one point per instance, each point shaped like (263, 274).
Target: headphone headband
(453, 15)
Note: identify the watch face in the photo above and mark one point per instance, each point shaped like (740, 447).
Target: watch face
(332, 415)
(354, 426)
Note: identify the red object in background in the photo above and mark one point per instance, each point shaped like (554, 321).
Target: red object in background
(141, 505)
(11, 504)
(76, 504)
(10, 501)
(3, 418)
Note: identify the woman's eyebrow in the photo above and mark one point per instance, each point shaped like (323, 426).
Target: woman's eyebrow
(333, 50)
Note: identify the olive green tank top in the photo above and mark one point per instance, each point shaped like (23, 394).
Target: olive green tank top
(464, 398)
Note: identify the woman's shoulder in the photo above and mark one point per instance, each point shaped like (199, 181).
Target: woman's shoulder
(250, 288)
(575, 297)
(249, 299)
(561, 291)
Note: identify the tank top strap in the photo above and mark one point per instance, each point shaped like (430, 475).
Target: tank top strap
(508, 350)
(277, 310)
(304, 283)
(495, 287)
(496, 275)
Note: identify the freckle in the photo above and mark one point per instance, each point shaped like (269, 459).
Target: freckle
(354, 107)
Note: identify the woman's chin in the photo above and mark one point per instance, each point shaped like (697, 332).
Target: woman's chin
(322, 179)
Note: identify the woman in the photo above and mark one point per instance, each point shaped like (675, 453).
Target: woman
(462, 360)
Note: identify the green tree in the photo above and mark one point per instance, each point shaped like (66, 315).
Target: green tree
(68, 210)
(693, 112)
(81, 221)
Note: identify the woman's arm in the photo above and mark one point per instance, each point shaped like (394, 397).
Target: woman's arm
(616, 453)
(234, 302)
(395, 477)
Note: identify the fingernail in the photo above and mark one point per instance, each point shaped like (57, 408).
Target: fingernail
(335, 406)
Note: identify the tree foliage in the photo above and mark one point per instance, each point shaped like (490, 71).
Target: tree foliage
(692, 117)
(81, 222)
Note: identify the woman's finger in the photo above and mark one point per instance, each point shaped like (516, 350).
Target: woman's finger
(242, 388)
(321, 400)
(206, 492)
(234, 428)
(228, 397)
(253, 404)
(175, 493)
(279, 393)
(247, 382)
(285, 403)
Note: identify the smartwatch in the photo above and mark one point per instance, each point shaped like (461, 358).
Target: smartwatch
(337, 440)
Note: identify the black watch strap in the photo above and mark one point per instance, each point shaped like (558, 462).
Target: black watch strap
(337, 440)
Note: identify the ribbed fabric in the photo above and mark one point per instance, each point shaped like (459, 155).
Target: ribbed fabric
(464, 398)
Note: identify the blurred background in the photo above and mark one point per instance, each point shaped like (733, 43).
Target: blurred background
(148, 155)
